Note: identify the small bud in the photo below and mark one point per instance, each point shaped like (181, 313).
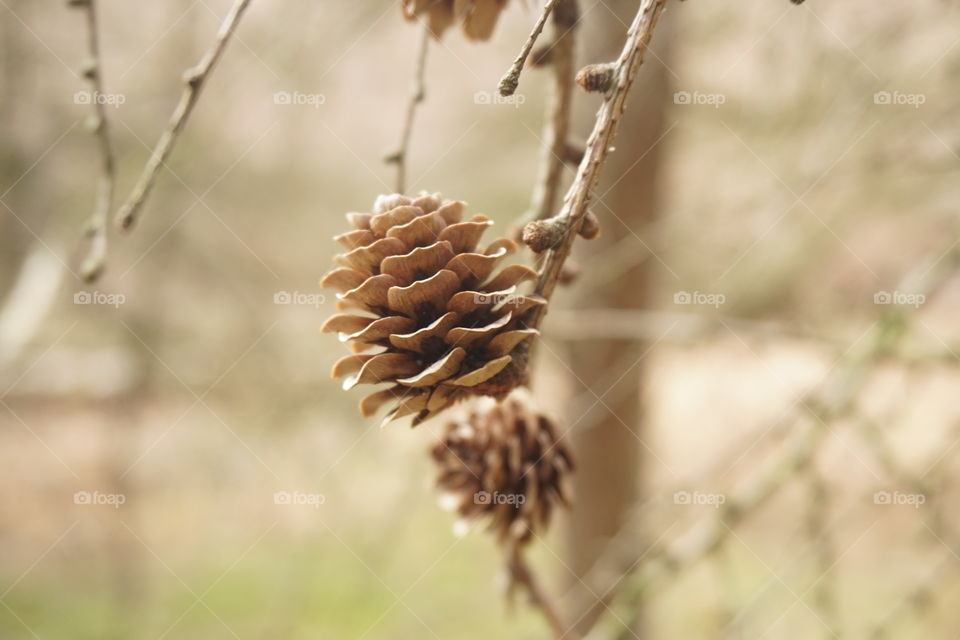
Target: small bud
(596, 77)
(541, 235)
(590, 226)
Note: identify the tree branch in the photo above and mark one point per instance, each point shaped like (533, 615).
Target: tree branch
(521, 573)
(556, 128)
(417, 94)
(511, 79)
(96, 229)
(624, 70)
(194, 79)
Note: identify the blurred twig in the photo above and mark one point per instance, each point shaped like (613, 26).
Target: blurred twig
(417, 94)
(644, 325)
(194, 80)
(833, 400)
(556, 128)
(30, 298)
(520, 573)
(96, 230)
(817, 524)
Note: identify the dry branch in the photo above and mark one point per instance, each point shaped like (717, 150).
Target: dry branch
(833, 400)
(194, 80)
(417, 94)
(556, 129)
(598, 146)
(520, 573)
(511, 79)
(96, 230)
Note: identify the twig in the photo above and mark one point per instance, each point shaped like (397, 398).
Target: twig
(817, 524)
(556, 128)
(598, 146)
(194, 79)
(834, 400)
(676, 327)
(96, 230)
(521, 573)
(417, 94)
(510, 80)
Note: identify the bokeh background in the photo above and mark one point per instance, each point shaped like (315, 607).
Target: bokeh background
(808, 165)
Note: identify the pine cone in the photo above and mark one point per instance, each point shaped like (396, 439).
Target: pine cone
(425, 312)
(479, 17)
(506, 463)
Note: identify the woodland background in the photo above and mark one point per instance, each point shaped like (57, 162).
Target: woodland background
(798, 199)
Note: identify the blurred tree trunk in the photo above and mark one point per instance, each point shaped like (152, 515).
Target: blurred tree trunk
(608, 431)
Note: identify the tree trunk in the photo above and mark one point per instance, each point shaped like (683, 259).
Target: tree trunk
(616, 274)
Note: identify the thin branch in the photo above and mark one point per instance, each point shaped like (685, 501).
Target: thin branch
(417, 94)
(824, 555)
(510, 80)
(598, 146)
(833, 400)
(521, 573)
(194, 79)
(556, 128)
(96, 230)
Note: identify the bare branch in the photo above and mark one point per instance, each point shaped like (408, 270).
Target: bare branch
(417, 95)
(511, 79)
(521, 574)
(556, 128)
(598, 146)
(96, 230)
(194, 79)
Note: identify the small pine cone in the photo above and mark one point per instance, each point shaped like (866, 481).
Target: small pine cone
(506, 464)
(424, 309)
(479, 17)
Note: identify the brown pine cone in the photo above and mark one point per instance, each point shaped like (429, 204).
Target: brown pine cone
(426, 311)
(506, 464)
(479, 17)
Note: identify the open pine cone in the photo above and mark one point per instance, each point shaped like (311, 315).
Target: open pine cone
(479, 17)
(505, 463)
(426, 313)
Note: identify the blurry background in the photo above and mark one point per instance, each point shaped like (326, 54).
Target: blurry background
(797, 337)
